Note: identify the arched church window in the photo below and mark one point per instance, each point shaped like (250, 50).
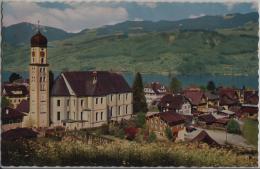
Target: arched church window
(42, 60)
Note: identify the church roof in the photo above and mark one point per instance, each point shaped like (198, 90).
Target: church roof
(38, 40)
(81, 83)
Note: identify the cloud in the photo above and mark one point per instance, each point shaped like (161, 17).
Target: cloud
(80, 16)
(196, 16)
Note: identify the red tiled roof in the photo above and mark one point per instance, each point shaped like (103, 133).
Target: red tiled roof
(82, 84)
(23, 106)
(228, 96)
(205, 138)
(208, 118)
(194, 96)
(172, 118)
(11, 114)
(251, 97)
(175, 102)
(9, 89)
(251, 110)
(17, 133)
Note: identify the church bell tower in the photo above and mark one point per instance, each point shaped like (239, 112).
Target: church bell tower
(39, 82)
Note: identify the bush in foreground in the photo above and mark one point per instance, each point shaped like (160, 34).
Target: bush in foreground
(54, 153)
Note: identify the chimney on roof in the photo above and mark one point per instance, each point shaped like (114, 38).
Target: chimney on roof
(94, 76)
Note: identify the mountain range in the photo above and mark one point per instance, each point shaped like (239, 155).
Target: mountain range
(209, 44)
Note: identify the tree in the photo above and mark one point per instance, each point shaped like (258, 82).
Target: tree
(13, 77)
(175, 85)
(5, 102)
(168, 133)
(139, 101)
(140, 120)
(233, 127)
(152, 137)
(211, 86)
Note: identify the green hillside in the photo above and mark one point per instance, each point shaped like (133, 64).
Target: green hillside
(229, 51)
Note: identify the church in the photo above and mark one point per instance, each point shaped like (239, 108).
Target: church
(77, 99)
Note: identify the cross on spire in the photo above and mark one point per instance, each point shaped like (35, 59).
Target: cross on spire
(38, 25)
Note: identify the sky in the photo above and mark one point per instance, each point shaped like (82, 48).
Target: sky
(76, 16)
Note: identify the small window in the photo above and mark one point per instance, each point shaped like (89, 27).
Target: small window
(119, 110)
(119, 96)
(96, 100)
(74, 102)
(68, 115)
(81, 102)
(81, 115)
(58, 102)
(42, 54)
(96, 116)
(101, 100)
(101, 116)
(58, 115)
(126, 96)
(68, 102)
(126, 109)
(111, 97)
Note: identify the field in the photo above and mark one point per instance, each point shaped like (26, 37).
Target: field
(250, 131)
(61, 153)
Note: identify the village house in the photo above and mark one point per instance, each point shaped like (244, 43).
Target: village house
(197, 99)
(158, 122)
(11, 119)
(154, 92)
(228, 97)
(79, 99)
(212, 99)
(176, 103)
(15, 94)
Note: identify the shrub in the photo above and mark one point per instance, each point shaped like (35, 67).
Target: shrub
(131, 133)
(168, 133)
(152, 137)
(233, 127)
(140, 120)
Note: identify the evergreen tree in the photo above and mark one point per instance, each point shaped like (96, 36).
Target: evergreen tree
(175, 85)
(139, 101)
(5, 102)
(211, 86)
(14, 76)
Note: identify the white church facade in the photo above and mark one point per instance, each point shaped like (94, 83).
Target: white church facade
(77, 99)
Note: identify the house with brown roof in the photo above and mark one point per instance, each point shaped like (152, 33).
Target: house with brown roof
(203, 137)
(197, 99)
(89, 99)
(251, 97)
(206, 119)
(177, 103)
(158, 122)
(228, 97)
(153, 92)
(15, 94)
(11, 119)
(212, 99)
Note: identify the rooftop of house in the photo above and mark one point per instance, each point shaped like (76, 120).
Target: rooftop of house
(23, 106)
(172, 118)
(9, 113)
(89, 83)
(208, 118)
(172, 101)
(204, 137)
(157, 87)
(195, 97)
(15, 90)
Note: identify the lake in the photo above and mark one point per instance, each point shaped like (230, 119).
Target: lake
(186, 80)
